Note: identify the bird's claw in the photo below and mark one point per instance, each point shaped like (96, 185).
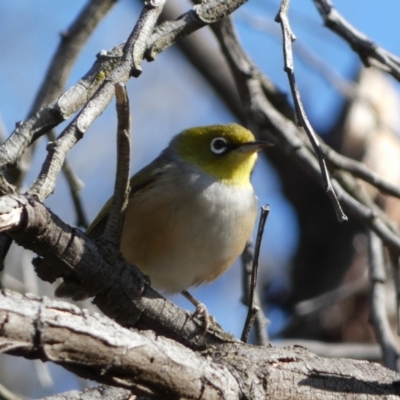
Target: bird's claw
(202, 313)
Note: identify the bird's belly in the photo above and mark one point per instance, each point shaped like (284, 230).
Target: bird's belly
(182, 240)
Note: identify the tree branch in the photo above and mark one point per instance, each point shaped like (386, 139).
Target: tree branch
(367, 50)
(77, 96)
(302, 120)
(202, 14)
(260, 322)
(263, 117)
(101, 271)
(250, 293)
(202, 52)
(359, 170)
(72, 41)
(95, 393)
(95, 347)
(115, 221)
(129, 65)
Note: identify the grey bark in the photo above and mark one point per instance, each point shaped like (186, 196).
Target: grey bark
(95, 347)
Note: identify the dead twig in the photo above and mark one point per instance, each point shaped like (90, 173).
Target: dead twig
(129, 65)
(368, 51)
(253, 307)
(115, 221)
(302, 120)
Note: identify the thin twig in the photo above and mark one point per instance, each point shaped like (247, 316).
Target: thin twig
(75, 187)
(113, 230)
(288, 38)
(72, 41)
(59, 110)
(346, 88)
(378, 311)
(264, 115)
(253, 308)
(129, 65)
(203, 13)
(368, 51)
(337, 160)
(203, 54)
(260, 322)
(77, 96)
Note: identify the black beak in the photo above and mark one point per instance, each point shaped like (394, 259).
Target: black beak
(253, 147)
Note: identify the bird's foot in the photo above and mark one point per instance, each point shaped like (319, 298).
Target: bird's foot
(201, 312)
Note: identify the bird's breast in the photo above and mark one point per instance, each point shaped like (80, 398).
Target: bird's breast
(187, 235)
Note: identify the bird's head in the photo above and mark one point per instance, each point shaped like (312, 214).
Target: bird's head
(225, 152)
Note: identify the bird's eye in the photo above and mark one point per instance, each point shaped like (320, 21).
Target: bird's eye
(219, 145)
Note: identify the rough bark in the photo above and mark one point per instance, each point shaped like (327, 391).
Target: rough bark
(95, 347)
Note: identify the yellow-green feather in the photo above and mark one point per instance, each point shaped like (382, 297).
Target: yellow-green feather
(232, 168)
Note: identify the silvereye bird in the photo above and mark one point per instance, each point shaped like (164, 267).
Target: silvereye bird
(190, 211)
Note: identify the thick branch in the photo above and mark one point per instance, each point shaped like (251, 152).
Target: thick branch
(95, 347)
(101, 271)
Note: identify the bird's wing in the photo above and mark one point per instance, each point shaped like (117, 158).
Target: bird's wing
(139, 182)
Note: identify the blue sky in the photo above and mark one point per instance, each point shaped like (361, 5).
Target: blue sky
(170, 96)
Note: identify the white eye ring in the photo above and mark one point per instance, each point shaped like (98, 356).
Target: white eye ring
(218, 145)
